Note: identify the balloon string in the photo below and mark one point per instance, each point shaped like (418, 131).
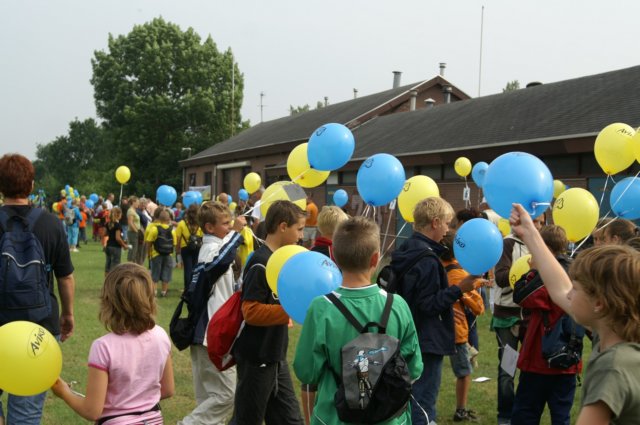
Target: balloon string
(594, 230)
(365, 211)
(604, 190)
(467, 200)
(246, 213)
(121, 186)
(620, 197)
(393, 240)
(386, 232)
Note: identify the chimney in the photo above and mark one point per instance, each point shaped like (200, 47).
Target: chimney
(355, 93)
(443, 65)
(396, 79)
(446, 90)
(429, 103)
(326, 101)
(412, 100)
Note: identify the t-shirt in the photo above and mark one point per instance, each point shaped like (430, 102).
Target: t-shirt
(131, 212)
(51, 235)
(135, 364)
(151, 234)
(312, 214)
(613, 377)
(325, 331)
(183, 233)
(112, 230)
(260, 344)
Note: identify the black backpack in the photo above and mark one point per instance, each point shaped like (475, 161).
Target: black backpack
(374, 384)
(24, 273)
(388, 279)
(164, 242)
(562, 342)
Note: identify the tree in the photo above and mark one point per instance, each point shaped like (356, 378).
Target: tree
(160, 89)
(305, 108)
(511, 86)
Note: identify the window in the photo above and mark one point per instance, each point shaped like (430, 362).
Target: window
(562, 166)
(433, 171)
(347, 177)
(226, 180)
(207, 179)
(192, 179)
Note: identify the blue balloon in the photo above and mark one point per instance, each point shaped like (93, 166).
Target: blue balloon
(518, 177)
(478, 172)
(166, 195)
(198, 197)
(330, 147)
(76, 193)
(243, 195)
(229, 199)
(321, 276)
(89, 203)
(189, 198)
(380, 179)
(625, 198)
(340, 198)
(94, 197)
(478, 245)
(66, 188)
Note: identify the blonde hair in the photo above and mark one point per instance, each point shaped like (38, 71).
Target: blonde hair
(211, 212)
(611, 274)
(114, 217)
(329, 218)
(427, 210)
(354, 242)
(127, 300)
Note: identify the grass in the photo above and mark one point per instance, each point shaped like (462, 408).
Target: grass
(89, 273)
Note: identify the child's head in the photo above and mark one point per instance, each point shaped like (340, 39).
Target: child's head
(191, 215)
(555, 238)
(465, 215)
(356, 242)
(285, 220)
(634, 243)
(433, 216)
(157, 212)
(618, 231)
(608, 276)
(127, 300)
(329, 218)
(165, 216)
(116, 215)
(214, 218)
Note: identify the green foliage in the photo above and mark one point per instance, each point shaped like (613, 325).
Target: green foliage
(305, 108)
(160, 89)
(511, 86)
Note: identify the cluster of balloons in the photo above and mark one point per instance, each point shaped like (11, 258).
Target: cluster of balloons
(30, 358)
(70, 192)
(284, 268)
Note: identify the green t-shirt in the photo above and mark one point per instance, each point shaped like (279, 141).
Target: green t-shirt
(613, 377)
(325, 331)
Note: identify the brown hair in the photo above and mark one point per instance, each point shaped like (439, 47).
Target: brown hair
(624, 229)
(329, 218)
(282, 212)
(211, 212)
(16, 176)
(447, 242)
(114, 216)
(191, 215)
(354, 242)
(634, 243)
(127, 300)
(555, 238)
(429, 209)
(611, 274)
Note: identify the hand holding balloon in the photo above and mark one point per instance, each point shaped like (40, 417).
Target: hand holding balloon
(521, 223)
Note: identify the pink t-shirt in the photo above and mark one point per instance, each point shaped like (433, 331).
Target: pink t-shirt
(135, 364)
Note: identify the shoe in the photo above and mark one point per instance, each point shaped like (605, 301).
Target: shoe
(462, 415)
(163, 294)
(75, 250)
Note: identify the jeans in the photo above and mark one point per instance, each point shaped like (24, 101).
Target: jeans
(505, 381)
(425, 390)
(535, 390)
(72, 236)
(125, 232)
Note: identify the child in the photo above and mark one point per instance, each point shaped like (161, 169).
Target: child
(160, 242)
(189, 236)
(115, 244)
(431, 299)
(213, 389)
(130, 368)
(325, 330)
(472, 301)
(328, 219)
(602, 293)
(265, 390)
(540, 384)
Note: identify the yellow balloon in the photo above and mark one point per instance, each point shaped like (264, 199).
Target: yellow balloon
(462, 166)
(30, 358)
(576, 211)
(518, 268)
(558, 188)
(123, 174)
(54, 207)
(282, 190)
(635, 142)
(415, 190)
(504, 226)
(252, 182)
(277, 260)
(300, 170)
(614, 148)
(233, 206)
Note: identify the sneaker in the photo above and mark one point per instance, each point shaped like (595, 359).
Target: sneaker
(462, 415)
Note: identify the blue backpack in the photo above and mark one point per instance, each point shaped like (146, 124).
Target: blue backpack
(24, 273)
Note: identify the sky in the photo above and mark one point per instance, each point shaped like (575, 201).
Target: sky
(298, 52)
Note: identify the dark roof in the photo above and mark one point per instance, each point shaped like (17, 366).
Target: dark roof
(301, 126)
(573, 108)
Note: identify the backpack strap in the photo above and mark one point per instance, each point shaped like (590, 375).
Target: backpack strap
(452, 266)
(384, 319)
(29, 221)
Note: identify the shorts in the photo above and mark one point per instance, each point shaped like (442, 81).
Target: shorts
(460, 362)
(162, 268)
(309, 233)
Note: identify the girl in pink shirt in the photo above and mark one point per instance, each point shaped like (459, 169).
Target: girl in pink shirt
(130, 368)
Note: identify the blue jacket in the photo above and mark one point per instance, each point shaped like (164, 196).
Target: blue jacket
(426, 289)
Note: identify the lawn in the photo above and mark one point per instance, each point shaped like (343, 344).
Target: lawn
(89, 266)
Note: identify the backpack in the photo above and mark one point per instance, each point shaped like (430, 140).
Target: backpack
(69, 216)
(562, 342)
(224, 329)
(374, 384)
(24, 273)
(194, 242)
(164, 242)
(388, 279)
